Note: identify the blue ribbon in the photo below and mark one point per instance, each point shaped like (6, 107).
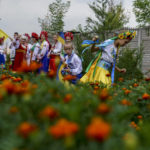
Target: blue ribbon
(113, 69)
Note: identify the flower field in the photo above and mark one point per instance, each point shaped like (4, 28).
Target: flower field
(39, 113)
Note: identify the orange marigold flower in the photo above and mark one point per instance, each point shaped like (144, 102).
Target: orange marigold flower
(135, 85)
(25, 83)
(98, 130)
(147, 79)
(17, 79)
(34, 86)
(127, 92)
(96, 87)
(126, 102)
(52, 74)
(67, 98)
(25, 129)
(124, 89)
(95, 92)
(134, 125)
(140, 117)
(28, 68)
(146, 96)
(3, 77)
(108, 75)
(103, 108)
(34, 66)
(114, 84)
(63, 128)
(121, 79)
(104, 94)
(69, 77)
(13, 110)
(49, 112)
(1, 96)
(8, 86)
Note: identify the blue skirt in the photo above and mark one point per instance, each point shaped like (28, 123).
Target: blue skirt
(45, 64)
(2, 61)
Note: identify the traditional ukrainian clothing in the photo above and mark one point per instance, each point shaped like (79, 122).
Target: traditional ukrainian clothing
(54, 55)
(14, 45)
(35, 51)
(98, 70)
(2, 54)
(62, 56)
(28, 56)
(20, 56)
(43, 56)
(35, 48)
(73, 63)
(29, 46)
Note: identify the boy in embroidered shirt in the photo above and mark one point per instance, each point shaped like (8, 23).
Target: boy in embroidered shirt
(73, 63)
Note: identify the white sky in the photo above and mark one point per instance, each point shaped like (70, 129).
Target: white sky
(22, 15)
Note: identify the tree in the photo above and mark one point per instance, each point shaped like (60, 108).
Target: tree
(109, 16)
(54, 20)
(142, 11)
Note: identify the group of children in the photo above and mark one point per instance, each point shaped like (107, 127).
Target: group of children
(41, 51)
(38, 49)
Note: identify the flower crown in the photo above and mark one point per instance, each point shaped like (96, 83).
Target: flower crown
(127, 35)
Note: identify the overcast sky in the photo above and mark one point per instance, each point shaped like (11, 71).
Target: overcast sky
(22, 15)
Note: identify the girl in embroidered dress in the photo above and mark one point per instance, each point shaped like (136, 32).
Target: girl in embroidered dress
(44, 49)
(35, 48)
(54, 53)
(20, 53)
(2, 53)
(98, 70)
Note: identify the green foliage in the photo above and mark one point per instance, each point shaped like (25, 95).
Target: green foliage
(131, 59)
(80, 109)
(87, 56)
(109, 16)
(54, 20)
(142, 11)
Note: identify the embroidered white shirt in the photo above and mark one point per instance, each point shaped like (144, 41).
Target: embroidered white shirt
(36, 51)
(74, 63)
(109, 53)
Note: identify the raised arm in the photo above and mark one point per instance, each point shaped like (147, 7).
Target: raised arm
(93, 48)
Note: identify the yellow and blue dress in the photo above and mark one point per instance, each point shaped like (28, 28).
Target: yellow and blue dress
(98, 70)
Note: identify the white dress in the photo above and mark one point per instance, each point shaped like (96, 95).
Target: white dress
(35, 51)
(28, 55)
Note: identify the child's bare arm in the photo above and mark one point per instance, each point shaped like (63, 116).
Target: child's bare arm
(123, 70)
(93, 48)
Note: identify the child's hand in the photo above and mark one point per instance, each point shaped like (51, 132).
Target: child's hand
(67, 70)
(123, 70)
(95, 38)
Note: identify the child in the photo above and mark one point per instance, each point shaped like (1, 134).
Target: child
(36, 47)
(54, 53)
(29, 46)
(73, 63)
(42, 57)
(20, 53)
(98, 70)
(14, 45)
(68, 39)
(2, 53)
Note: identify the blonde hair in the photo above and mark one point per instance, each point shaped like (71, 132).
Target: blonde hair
(69, 44)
